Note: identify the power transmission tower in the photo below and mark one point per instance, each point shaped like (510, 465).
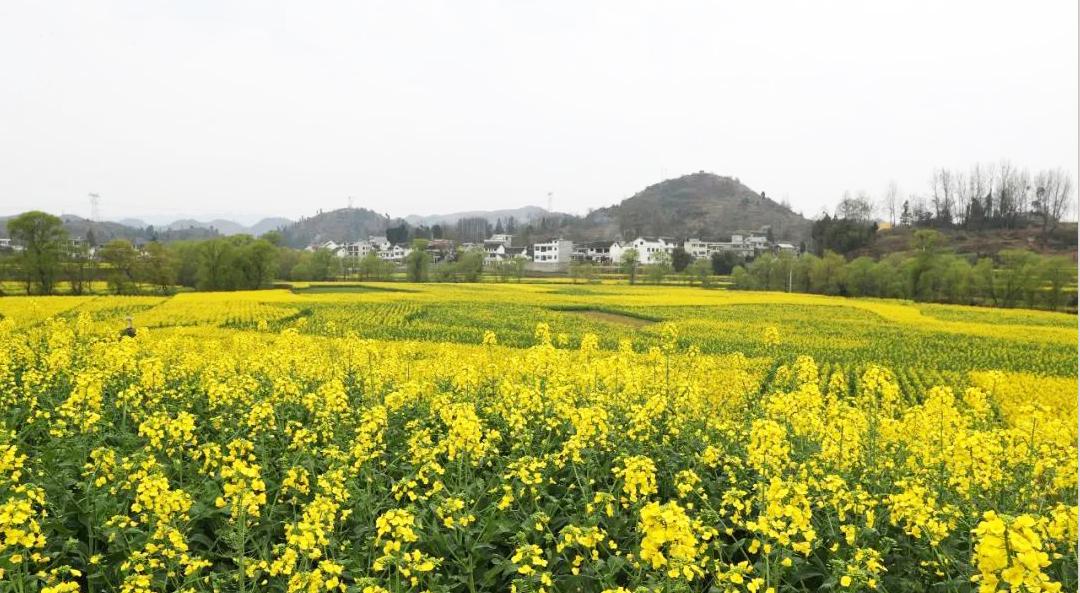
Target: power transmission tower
(95, 207)
(549, 202)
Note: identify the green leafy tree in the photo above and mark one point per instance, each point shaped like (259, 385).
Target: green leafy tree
(42, 237)
(680, 259)
(1019, 277)
(370, 267)
(660, 268)
(120, 259)
(517, 267)
(216, 265)
(470, 265)
(742, 280)
(782, 271)
(501, 269)
(955, 279)
(79, 269)
(1058, 272)
(701, 271)
(827, 275)
(417, 262)
(324, 265)
(842, 234)
(861, 279)
(159, 267)
(985, 282)
(187, 256)
(287, 260)
(274, 237)
(629, 263)
(723, 262)
(927, 245)
(257, 263)
(760, 269)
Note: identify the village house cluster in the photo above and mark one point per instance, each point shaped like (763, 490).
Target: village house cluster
(556, 253)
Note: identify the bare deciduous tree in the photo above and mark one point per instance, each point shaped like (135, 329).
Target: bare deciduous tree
(942, 188)
(1053, 197)
(890, 201)
(859, 208)
(975, 194)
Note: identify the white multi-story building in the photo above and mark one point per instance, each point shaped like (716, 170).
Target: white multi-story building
(743, 245)
(648, 248)
(503, 238)
(331, 246)
(358, 249)
(394, 253)
(699, 249)
(557, 251)
(597, 252)
(497, 248)
(748, 245)
(494, 251)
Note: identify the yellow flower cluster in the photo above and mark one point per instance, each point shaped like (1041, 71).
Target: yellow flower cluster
(1010, 550)
(244, 489)
(670, 541)
(550, 440)
(638, 474)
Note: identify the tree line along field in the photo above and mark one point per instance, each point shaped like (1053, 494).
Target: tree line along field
(534, 437)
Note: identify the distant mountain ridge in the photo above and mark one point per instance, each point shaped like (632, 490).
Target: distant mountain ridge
(699, 205)
(228, 227)
(520, 215)
(104, 231)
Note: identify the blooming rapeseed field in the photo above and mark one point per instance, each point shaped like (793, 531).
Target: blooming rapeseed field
(509, 438)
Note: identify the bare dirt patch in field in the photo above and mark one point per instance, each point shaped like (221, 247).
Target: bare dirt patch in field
(605, 316)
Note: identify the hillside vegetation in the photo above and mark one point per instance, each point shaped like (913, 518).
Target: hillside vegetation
(701, 205)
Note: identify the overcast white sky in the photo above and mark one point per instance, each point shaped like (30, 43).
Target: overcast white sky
(251, 109)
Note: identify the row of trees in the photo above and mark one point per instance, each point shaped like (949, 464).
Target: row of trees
(473, 229)
(48, 256)
(929, 273)
(663, 265)
(463, 266)
(984, 196)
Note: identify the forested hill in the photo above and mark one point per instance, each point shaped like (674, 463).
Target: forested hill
(345, 224)
(702, 205)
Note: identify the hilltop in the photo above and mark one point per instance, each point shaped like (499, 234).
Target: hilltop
(702, 205)
(344, 224)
